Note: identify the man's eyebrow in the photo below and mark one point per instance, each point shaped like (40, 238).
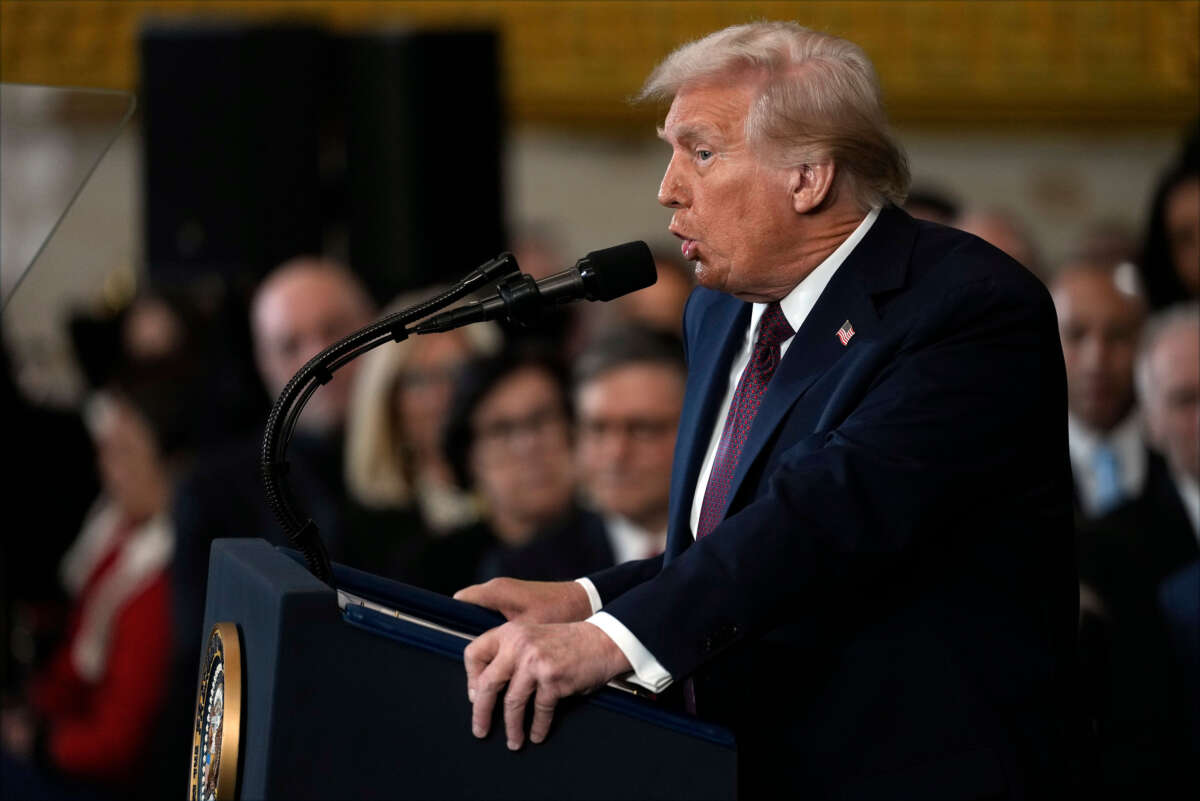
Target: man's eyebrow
(687, 133)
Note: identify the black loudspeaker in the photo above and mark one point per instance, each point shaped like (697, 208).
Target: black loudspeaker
(423, 132)
(231, 118)
(382, 148)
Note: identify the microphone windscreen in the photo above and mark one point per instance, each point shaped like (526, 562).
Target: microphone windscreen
(619, 270)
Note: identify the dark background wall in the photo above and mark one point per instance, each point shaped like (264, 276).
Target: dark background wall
(262, 143)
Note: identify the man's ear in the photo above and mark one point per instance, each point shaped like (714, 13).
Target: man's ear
(811, 185)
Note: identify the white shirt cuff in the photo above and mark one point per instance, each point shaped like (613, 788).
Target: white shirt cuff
(592, 593)
(647, 672)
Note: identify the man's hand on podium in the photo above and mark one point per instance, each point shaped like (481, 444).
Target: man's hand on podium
(543, 653)
(531, 601)
(544, 662)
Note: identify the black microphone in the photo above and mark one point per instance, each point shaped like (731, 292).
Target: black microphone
(600, 275)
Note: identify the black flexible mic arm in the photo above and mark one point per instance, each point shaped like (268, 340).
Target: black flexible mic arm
(281, 422)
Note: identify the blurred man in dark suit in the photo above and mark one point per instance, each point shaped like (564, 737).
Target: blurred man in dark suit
(869, 568)
(1099, 320)
(1142, 682)
(299, 309)
(1168, 381)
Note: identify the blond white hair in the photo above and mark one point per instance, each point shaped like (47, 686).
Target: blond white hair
(819, 100)
(1181, 315)
(376, 473)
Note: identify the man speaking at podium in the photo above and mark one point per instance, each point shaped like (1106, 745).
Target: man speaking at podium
(869, 571)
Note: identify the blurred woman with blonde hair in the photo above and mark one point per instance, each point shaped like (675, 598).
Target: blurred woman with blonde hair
(393, 429)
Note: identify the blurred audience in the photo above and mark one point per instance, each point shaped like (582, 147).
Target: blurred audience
(90, 716)
(164, 319)
(660, 305)
(508, 439)
(1140, 706)
(394, 456)
(1170, 259)
(1099, 320)
(538, 251)
(934, 205)
(1105, 242)
(1005, 230)
(628, 397)
(202, 318)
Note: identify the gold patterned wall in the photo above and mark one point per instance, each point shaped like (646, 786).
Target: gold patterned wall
(986, 64)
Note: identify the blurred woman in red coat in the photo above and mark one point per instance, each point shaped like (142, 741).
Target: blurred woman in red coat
(89, 715)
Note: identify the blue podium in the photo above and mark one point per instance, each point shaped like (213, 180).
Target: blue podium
(361, 693)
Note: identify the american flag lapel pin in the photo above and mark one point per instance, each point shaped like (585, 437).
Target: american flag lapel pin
(845, 332)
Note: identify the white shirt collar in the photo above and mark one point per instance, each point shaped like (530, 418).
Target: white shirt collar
(630, 541)
(797, 304)
(1083, 440)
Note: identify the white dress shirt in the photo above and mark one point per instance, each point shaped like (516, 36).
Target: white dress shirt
(630, 541)
(1128, 445)
(796, 307)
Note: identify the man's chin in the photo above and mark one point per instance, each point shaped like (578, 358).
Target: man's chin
(709, 277)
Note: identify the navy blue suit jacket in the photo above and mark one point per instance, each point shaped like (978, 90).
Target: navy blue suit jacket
(888, 608)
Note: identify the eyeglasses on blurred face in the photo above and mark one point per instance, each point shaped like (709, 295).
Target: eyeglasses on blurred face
(504, 433)
(636, 429)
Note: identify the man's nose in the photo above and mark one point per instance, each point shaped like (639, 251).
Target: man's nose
(614, 447)
(672, 192)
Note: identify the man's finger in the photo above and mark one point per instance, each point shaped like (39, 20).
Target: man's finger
(477, 656)
(497, 594)
(481, 710)
(485, 688)
(543, 714)
(472, 595)
(516, 697)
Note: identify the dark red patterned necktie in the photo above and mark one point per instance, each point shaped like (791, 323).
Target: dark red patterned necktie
(773, 329)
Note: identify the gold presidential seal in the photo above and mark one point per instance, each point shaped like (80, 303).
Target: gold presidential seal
(217, 727)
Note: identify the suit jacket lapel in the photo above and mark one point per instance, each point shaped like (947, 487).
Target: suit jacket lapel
(722, 330)
(878, 264)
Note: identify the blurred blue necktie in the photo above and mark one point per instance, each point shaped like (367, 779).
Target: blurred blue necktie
(1108, 479)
